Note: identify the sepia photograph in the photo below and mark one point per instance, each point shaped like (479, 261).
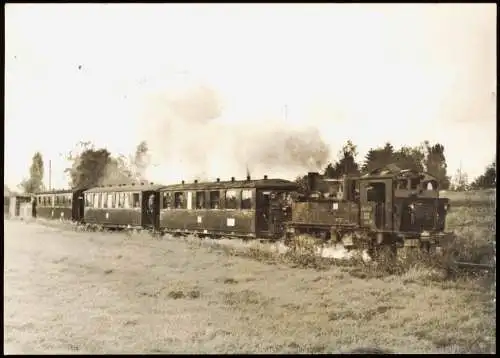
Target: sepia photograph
(250, 178)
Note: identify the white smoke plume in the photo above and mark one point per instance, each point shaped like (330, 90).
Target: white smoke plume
(187, 141)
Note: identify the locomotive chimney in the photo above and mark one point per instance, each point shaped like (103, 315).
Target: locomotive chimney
(196, 181)
(312, 181)
(182, 182)
(232, 179)
(265, 177)
(248, 177)
(218, 180)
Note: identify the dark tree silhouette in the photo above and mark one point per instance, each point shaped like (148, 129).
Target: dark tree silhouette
(35, 182)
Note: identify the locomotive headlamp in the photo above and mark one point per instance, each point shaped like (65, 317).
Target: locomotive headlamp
(411, 206)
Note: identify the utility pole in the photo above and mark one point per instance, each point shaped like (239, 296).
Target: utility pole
(50, 173)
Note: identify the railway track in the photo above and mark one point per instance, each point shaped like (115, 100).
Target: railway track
(474, 266)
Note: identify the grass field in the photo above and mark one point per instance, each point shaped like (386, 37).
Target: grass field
(81, 292)
(485, 197)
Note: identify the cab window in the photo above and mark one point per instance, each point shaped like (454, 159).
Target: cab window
(402, 184)
(414, 183)
(430, 185)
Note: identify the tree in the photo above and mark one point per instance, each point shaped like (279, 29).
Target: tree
(487, 180)
(88, 167)
(34, 183)
(410, 158)
(435, 163)
(346, 164)
(302, 182)
(378, 158)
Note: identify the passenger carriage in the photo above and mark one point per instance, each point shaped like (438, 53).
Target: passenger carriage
(238, 208)
(123, 205)
(59, 204)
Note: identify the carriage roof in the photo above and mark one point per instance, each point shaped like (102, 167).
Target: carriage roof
(55, 192)
(140, 187)
(235, 184)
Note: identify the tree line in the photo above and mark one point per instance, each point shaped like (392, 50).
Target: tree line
(425, 157)
(91, 166)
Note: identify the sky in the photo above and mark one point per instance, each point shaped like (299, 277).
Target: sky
(182, 75)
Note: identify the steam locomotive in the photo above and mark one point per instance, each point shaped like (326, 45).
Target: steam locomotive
(388, 208)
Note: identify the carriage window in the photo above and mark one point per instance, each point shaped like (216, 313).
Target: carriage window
(136, 200)
(56, 200)
(200, 200)
(70, 199)
(166, 200)
(113, 203)
(96, 200)
(51, 201)
(246, 199)
(40, 200)
(214, 199)
(231, 202)
(126, 200)
(119, 200)
(179, 202)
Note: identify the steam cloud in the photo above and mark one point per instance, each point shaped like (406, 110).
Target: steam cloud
(187, 141)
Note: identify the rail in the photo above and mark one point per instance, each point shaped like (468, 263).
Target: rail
(462, 264)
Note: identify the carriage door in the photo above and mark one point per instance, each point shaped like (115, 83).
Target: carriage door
(262, 211)
(77, 205)
(150, 208)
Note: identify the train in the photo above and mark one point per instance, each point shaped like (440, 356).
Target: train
(383, 210)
